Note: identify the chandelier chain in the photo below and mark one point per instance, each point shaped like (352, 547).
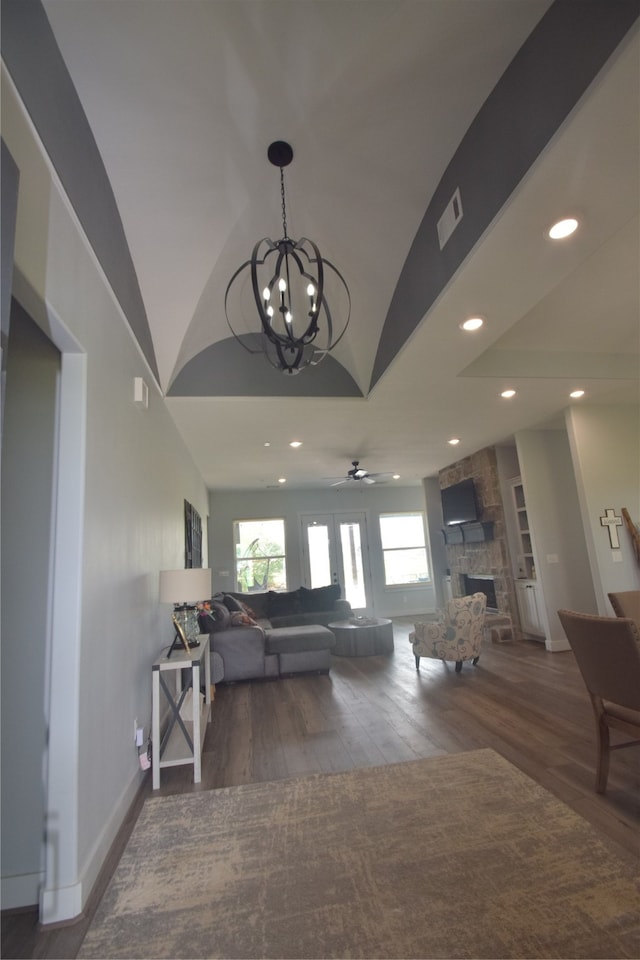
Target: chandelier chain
(284, 209)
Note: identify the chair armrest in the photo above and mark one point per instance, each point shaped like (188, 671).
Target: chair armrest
(242, 650)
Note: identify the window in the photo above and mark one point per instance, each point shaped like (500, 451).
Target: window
(259, 555)
(403, 548)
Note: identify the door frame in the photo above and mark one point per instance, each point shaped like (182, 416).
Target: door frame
(333, 518)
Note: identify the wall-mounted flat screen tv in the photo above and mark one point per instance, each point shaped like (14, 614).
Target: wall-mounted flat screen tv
(459, 503)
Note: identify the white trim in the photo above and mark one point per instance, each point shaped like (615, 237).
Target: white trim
(61, 897)
(554, 645)
(21, 890)
(61, 903)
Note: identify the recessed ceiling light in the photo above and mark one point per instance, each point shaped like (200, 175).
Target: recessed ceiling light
(507, 394)
(296, 443)
(563, 228)
(267, 444)
(576, 394)
(454, 441)
(473, 323)
(282, 480)
(396, 476)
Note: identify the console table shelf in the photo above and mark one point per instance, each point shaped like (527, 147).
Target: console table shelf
(183, 739)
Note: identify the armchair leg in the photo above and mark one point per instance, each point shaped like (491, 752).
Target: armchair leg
(458, 666)
(475, 660)
(417, 661)
(602, 772)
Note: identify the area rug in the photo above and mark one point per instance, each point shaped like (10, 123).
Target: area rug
(455, 856)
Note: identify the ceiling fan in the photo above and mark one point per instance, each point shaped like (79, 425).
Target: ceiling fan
(360, 475)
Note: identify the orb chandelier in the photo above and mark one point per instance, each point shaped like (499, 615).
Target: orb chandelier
(290, 282)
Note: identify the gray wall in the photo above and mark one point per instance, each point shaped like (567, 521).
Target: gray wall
(123, 474)
(28, 452)
(227, 507)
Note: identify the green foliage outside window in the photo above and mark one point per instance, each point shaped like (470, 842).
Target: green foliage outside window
(260, 555)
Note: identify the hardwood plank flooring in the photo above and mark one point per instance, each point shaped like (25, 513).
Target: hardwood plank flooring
(527, 704)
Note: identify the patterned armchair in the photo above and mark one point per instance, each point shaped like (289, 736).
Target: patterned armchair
(456, 636)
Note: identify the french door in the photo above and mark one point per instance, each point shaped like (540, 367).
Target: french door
(336, 550)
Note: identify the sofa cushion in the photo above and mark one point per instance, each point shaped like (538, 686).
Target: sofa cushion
(319, 598)
(299, 639)
(283, 604)
(255, 603)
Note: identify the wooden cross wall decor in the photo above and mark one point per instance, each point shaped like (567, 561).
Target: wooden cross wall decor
(612, 522)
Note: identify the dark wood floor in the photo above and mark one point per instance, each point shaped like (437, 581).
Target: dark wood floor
(527, 704)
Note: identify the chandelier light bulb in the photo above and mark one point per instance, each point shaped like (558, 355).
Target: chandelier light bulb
(282, 285)
(311, 290)
(270, 310)
(288, 317)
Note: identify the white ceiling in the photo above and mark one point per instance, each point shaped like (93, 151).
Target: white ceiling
(184, 96)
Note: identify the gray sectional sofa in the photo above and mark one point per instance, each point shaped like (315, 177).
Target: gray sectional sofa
(270, 634)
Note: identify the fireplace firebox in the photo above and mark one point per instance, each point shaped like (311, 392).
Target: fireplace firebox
(480, 583)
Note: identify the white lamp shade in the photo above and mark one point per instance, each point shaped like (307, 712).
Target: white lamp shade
(185, 586)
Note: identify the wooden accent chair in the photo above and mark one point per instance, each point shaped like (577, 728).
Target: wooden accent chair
(608, 653)
(626, 603)
(457, 635)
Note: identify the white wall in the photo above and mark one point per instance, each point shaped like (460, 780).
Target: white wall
(605, 450)
(556, 525)
(131, 473)
(373, 500)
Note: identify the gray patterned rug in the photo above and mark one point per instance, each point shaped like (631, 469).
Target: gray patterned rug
(456, 856)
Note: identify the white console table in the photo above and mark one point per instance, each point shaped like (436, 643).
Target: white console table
(183, 739)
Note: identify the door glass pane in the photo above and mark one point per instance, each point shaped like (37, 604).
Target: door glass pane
(319, 558)
(352, 566)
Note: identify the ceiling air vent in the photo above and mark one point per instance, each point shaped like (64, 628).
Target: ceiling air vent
(450, 218)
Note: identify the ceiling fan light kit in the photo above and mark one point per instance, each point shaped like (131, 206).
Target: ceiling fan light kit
(288, 283)
(358, 474)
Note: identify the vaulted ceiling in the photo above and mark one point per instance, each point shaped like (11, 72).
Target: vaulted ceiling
(530, 109)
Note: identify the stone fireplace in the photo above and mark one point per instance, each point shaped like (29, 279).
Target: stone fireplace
(482, 565)
(481, 584)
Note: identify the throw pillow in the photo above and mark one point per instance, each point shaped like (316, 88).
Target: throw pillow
(320, 599)
(232, 604)
(216, 618)
(283, 604)
(241, 619)
(257, 602)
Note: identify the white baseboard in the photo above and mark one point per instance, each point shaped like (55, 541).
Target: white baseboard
(559, 644)
(21, 891)
(58, 904)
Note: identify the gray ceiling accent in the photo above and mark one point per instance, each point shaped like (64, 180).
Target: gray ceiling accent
(33, 59)
(224, 369)
(182, 123)
(534, 96)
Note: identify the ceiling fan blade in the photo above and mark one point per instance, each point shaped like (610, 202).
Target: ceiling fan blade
(381, 477)
(367, 479)
(338, 483)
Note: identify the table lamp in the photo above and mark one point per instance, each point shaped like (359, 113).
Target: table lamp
(185, 588)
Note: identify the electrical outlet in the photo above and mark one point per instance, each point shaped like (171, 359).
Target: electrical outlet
(135, 732)
(140, 736)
